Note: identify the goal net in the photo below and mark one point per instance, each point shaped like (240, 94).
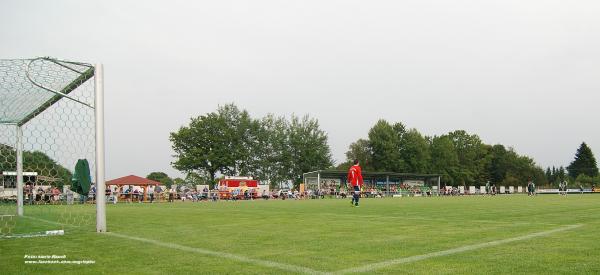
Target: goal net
(48, 147)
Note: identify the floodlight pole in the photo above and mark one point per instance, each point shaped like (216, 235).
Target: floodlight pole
(439, 184)
(19, 171)
(304, 181)
(100, 184)
(319, 180)
(387, 185)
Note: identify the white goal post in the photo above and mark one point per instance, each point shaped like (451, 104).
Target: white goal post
(51, 117)
(100, 180)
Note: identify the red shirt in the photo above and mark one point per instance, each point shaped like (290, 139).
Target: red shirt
(355, 176)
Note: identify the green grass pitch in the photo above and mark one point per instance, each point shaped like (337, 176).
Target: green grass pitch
(513, 234)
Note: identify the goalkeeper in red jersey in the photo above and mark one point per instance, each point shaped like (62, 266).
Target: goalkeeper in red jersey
(355, 179)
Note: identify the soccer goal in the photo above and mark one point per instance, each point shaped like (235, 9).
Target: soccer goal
(51, 147)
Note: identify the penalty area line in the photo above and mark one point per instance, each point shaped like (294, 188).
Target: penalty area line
(375, 266)
(281, 266)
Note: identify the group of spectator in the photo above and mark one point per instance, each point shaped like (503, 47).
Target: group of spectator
(53, 195)
(450, 191)
(191, 195)
(129, 194)
(41, 195)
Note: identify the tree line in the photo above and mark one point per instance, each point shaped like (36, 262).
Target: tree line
(460, 158)
(583, 170)
(276, 149)
(35, 161)
(230, 142)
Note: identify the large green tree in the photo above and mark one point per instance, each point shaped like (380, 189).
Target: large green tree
(161, 177)
(360, 150)
(179, 181)
(273, 157)
(509, 168)
(561, 174)
(242, 133)
(444, 159)
(459, 157)
(192, 179)
(230, 142)
(202, 146)
(500, 163)
(221, 141)
(384, 140)
(415, 152)
(39, 162)
(309, 149)
(472, 159)
(584, 163)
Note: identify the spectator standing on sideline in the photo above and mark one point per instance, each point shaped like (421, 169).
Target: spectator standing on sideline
(115, 194)
(151, 193)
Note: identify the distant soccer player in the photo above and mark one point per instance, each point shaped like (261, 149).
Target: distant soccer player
(356, 180)
(560, 188)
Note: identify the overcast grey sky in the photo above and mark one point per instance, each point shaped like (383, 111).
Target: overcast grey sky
(521, 73)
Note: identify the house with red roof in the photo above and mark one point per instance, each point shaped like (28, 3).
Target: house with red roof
(133, 182)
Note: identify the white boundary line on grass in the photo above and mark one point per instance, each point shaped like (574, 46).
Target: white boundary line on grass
(286, 267)
(365, 268)
(375, 266)
(47, 221)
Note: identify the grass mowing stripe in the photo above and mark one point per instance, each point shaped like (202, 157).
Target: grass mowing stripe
(375, 266)
(286, 267)
(435, 219)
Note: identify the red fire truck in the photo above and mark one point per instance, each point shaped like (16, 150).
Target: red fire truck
(236, 187)
(238, 182)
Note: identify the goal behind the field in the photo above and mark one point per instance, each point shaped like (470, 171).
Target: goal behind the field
(51, 118)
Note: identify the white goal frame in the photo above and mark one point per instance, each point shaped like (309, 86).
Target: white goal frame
(97, 71)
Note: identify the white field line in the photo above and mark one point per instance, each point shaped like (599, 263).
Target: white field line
(286, 267)
(47, 221)
(32, 235)
(375, 266)
(365, 268)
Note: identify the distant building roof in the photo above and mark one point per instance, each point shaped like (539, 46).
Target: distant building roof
(132, 180)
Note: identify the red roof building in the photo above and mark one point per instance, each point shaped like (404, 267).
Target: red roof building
(133, 180)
